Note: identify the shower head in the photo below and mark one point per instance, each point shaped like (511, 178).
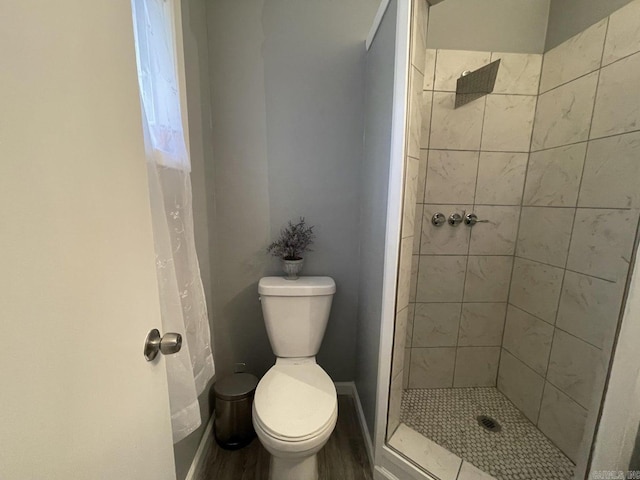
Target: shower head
(477, 84)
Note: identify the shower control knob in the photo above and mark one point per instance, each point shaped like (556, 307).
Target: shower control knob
(438, 219)
(471, 219)
(167, 344)
(455, 219)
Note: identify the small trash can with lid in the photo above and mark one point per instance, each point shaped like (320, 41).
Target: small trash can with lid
(234, 394)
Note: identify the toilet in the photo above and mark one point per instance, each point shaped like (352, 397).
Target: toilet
(295, 408)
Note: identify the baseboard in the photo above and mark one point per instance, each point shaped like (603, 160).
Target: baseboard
(197, 465)
(349, 388)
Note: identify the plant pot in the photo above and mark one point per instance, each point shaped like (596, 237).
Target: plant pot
(292, 268)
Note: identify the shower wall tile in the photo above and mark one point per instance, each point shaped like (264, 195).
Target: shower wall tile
(425, 130)
(519, 73)
(399, 337)
(535, 288)
(429, 68)
(590, 307)
(413, 283)
(564, 114)
(395, 402)
(508, 122)
(417, 226)
(545, 233)
(520, 384)
(481, 324)
(405, 370)
(562, 420)
(444, 240)
(404, 273)
(498, 235)
(436, 324)
(476, 366)
(623, 35)
(488, 278)
(451, 63)
(422, 175)
(415, 113)
(571, 366)
(419, 33)
(451, 177)
(500, 178)
(577, 56)
(602, 242)
(553, 177)
(432, 367)
(455, 129)
(409, 203)
(617, 109)
(611, 173)
(407, 342)
(528, 339)
(441, 278)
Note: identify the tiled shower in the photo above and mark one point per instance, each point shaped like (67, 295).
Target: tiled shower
(528, 299)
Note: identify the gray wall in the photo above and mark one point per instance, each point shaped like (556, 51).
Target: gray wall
(197, 85)
(517, 26)
(287, 97)
(569, 17)
(379, 78)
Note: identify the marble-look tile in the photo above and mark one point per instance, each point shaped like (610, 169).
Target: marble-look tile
(432, 367)
(429, 68)
(451, 177)
(415, 113)
(422, 175)
(441, 278)
(577, 56)
(469, 472)
(409, 202)
(481, 324)
(451, 63)
(425, 112)
(413, 283)
(519, 73)
(535, 288)
(395, 402)
(562, 420)
(419, 22)
(564, 114)
(436, 325)
(500, 178)
(399, 337)
(612, 173)
(590, 307)
(417, 229)
(404, 273)
(444, 240)
(455, 129)
(508, 122)
(487, 279)
(528, 339)
(405, 370)
(476, 367)
(427, 454)
(408, 338)
(521, 385)
(617, 110)
(571, 366)
(553, 177)
(545, 233)
(498, 235)
(602, 242)
(623, 35)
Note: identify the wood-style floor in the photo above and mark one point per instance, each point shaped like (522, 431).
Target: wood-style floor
(344, 457)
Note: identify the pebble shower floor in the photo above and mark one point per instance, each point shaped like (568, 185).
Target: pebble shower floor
(518, 452)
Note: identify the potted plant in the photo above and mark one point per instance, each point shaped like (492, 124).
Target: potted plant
(293, 242)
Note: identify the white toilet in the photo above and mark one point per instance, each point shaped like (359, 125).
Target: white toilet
(295, 406)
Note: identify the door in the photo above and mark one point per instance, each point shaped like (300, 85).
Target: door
(78, 290)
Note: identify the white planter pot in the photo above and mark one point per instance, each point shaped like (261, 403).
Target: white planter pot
(292, 268)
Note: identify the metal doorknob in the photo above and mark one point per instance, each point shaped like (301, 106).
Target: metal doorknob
(167, 344)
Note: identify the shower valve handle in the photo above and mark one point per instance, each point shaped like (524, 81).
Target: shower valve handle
(471, 219)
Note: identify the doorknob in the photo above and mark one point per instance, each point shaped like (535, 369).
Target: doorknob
(167, 344)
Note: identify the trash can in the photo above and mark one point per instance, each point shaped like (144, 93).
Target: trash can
(233, 428)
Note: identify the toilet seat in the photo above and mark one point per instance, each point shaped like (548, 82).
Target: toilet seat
(295, 402)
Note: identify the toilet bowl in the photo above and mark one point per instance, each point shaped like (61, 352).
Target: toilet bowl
(295, 407)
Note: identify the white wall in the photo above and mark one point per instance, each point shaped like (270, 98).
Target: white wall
(517, 26)
(287, 96)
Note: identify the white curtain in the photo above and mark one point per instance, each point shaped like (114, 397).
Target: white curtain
(182, 298)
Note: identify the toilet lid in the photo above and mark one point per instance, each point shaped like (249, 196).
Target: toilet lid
(295, 402)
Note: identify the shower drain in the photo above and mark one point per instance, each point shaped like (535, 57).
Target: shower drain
(488, 423)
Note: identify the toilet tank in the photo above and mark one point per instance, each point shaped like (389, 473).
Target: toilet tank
(296, 313)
